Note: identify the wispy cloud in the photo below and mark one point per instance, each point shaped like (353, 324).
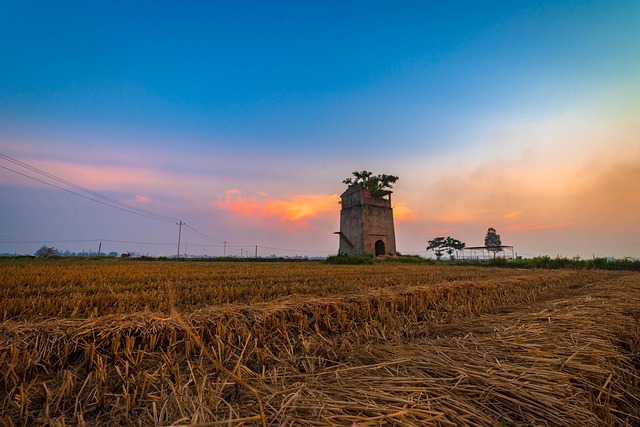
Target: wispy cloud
(442, 231)
(142, 199)
(137, 185)
(512, 215)
(95, 177)
(576, 189)
(479, 214)
(530, 226)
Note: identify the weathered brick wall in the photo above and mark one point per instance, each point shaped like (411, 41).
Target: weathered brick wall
(364, 220)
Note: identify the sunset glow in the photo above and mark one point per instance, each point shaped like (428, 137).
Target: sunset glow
(530, 226)
(297, 208)
(243, 120)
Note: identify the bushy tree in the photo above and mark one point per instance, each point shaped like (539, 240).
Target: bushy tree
(440, 245)
(492, 241)
(379, 185)
(45, 252)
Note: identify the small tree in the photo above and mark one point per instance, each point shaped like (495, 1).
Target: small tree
(440, 245)
(492, 241)
(436, 245)
(452, 245)
(379, 185)
(46, 252)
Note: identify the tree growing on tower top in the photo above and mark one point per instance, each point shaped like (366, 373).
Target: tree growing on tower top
(379, 185)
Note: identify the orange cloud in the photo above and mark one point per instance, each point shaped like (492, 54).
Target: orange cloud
(403, 213)
(530, 225)
(512, 215)
(296, 208)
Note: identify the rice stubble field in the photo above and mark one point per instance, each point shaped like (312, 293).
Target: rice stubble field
(159, 343)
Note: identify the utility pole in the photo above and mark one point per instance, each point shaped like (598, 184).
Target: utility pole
(100, 247)
(256, 251)
(224, 254)
(179, 234)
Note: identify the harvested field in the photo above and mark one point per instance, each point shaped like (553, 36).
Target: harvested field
(177, 343)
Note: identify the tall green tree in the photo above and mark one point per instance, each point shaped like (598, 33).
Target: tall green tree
(440, 245)
(492, 241)
(379, 185)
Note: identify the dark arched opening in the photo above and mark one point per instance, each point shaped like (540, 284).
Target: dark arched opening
(380, 248)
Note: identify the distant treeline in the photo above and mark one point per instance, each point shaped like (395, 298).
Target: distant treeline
(536, 262)
(572, 263)
(529, 263)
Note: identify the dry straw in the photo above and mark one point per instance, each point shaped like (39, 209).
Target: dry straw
(405, 346)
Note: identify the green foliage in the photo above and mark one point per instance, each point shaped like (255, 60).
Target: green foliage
(46, 252)
(546, 262)
(379, 185)
(342, 259)
(406, 259)
(440, 245)
(492, 241)
(614, 264)
(498, 262)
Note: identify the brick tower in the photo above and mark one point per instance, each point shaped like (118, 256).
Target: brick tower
(366, 223)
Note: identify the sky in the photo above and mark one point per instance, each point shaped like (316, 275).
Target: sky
(241, 119)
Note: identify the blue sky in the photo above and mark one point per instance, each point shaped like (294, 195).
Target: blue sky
(243, 119)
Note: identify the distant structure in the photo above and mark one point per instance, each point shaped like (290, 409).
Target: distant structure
(483, 253)
(366, 223)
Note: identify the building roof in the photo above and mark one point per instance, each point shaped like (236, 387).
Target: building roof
(488, 247)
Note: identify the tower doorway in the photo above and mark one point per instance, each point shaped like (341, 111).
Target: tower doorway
(380, 250)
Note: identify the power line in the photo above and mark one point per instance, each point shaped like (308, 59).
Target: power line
(92, 195)
(272, 248)
(96, 197)
(116, 204)
(80, 195)
(292, 250)
(49, 241)
(224, 245)
(105, 200)
(204, 236)
(84, 241)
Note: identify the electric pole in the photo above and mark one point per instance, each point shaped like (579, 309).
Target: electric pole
(224, 254)
(179, 234)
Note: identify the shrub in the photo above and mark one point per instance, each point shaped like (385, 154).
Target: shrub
(498, 262)
(342, 259)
